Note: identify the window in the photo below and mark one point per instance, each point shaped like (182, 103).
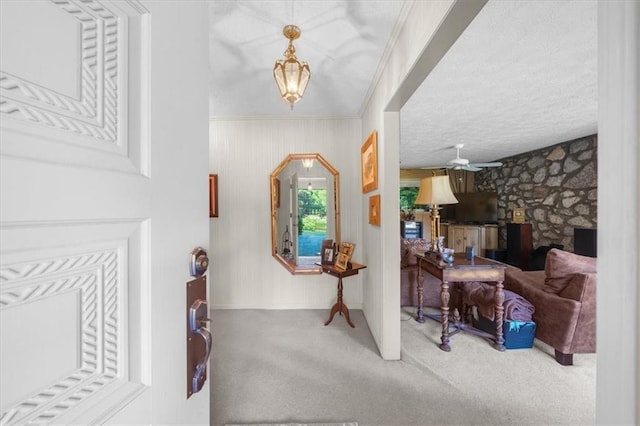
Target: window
(408, 197)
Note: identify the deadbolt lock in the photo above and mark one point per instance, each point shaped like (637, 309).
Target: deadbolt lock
(199, 262)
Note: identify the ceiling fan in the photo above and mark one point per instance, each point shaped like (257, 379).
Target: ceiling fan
(464, 164)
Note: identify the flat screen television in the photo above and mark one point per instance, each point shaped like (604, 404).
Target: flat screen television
(473, 208)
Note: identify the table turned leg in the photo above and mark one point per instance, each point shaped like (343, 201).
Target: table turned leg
(334, 310)
(340, 307)
(444, 297)
(345, 311)
(499, 308)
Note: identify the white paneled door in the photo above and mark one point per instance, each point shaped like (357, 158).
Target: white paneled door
(96, 224)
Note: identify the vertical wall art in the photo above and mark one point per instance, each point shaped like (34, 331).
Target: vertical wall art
(369, 161)
(374, 210)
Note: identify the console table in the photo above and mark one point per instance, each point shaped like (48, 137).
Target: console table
(340, 307)
(462, 270)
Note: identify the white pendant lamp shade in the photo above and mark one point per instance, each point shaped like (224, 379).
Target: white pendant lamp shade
(291, 75)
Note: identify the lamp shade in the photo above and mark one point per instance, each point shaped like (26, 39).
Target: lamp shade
(292, 78)
(435, 190)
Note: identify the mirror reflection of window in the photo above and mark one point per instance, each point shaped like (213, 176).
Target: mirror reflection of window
(312, 219)
(304, 211)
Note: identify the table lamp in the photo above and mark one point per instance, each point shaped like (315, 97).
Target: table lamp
(435, 191)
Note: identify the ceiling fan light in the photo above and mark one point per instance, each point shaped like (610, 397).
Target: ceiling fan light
(459, 162)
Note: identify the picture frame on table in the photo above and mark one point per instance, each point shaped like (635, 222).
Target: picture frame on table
(328, 252)
(369, 163)
(342, 260)
(347, 248)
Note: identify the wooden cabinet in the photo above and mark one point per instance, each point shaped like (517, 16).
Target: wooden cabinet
(444, 231)
(491, 236)
(461, 237)
(480, 237)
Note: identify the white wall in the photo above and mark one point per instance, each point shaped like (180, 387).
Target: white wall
(428, 32)
(618, 292)
(244, 152)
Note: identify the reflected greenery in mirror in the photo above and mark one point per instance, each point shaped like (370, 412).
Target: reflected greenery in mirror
(305, 210)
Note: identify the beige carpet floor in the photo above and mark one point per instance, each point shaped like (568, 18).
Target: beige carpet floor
(287, 367)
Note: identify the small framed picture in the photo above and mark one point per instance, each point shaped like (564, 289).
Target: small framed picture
(328, 252)
(347, 248)
(374, 210)
(518, 215)
(328, 256)
(341, 261)
(369, 163)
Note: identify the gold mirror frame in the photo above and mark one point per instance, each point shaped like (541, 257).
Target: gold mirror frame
(275, 183)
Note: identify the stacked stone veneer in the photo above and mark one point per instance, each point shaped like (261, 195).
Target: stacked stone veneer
(557, 186)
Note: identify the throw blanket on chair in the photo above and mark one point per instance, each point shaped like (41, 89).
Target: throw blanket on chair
(482, 295)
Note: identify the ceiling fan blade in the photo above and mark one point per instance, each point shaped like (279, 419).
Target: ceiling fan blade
(494, 164)
(471, 168)
(436, 167)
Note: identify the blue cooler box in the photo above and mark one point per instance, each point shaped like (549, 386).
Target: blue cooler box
(517, 334)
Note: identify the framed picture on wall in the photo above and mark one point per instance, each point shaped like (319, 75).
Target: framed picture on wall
(213, 195)
(374, 210)
(369, 163)
(518, 215)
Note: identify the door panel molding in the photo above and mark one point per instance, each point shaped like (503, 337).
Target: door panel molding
(89, 262)
(111, 40)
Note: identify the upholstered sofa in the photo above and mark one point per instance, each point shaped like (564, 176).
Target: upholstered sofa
(564, 297)
(409, 278)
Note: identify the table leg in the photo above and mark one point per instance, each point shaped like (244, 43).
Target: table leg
(499, 312)
(444, 298)
(345, 311)
(420, 290)
(340, 307)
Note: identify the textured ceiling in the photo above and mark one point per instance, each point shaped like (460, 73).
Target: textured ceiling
(522, 76)
(342, 41)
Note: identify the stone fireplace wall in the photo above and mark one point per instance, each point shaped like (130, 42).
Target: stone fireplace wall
(557, 186)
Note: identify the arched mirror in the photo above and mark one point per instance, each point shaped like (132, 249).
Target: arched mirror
(305, 210)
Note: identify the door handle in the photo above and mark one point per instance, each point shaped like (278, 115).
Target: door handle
(198, 315)
(199, 375)
(198, 336)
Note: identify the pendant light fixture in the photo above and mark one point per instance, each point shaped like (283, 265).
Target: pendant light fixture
(307, 163)
(291, 75)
